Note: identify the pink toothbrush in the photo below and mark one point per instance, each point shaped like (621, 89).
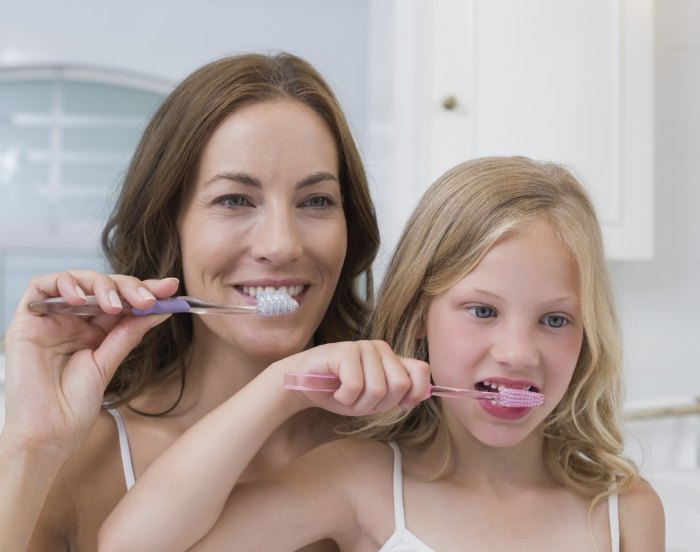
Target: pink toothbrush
(511, 398)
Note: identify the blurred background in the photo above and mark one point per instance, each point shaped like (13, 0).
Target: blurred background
(608, 87)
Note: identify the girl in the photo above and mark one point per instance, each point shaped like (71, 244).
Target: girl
(499, 281)
(246, 178)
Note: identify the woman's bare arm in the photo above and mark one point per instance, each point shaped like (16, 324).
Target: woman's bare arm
(57, 368)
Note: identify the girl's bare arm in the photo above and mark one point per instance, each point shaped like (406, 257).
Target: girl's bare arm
(183, 493)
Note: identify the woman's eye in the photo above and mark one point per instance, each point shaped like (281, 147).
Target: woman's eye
(318, 202)
(555, 321)
(481, 311)
(233, 201)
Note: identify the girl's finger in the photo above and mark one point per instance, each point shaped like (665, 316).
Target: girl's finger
(419, 373)
(398, 381)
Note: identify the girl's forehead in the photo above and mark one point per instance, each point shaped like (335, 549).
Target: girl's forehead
(534, 254)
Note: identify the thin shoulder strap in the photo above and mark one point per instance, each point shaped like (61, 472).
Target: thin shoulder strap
(129, 477)
(613, 516)
(399, 516)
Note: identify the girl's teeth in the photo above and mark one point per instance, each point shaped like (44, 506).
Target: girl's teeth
(497, 387)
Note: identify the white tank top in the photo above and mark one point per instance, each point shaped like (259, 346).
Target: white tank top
(402, 540)
(124, 449)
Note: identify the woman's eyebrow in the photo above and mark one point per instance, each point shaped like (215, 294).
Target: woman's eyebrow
(315, 178)
(247, 180)
(234, 176)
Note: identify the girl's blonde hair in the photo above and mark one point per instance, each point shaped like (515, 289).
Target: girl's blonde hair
(461, 216)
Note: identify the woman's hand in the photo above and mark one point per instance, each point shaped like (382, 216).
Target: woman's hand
(373, 378)
(58, 366)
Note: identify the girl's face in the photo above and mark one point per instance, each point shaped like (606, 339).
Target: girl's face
(513, 321)
(265, 213)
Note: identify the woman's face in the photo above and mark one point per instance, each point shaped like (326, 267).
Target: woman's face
(513, 321)
(265, 214)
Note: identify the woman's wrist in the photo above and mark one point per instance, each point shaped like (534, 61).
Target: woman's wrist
(39, 456)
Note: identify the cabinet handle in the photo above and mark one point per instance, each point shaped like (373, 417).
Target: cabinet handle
(450, 102)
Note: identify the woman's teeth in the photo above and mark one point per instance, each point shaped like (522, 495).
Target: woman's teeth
(501, 387)
(254, 291)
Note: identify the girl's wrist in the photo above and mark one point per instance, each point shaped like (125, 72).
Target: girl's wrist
(289, 402)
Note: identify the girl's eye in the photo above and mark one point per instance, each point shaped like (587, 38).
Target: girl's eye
(555, 321)
(481, 311)
(318, 202)
(232, 201)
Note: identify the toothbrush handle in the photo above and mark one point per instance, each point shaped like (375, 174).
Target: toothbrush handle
(58, 305)
(328, 383)
(512, 398)
(300, 381)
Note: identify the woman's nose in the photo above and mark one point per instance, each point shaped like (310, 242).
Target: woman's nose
(277, 238)
(515, 347)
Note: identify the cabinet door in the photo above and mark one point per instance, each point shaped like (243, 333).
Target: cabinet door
(570, 82)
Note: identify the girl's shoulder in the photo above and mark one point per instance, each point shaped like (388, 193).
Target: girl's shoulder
(641, 515)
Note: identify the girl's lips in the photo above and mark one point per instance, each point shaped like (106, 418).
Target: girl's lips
(504, 412)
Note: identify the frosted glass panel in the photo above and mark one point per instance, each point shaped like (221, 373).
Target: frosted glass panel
(66, 138)
(64, 146)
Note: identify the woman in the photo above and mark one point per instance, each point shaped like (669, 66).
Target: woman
(246, 178)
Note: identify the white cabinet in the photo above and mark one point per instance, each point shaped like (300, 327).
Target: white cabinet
(564, 80)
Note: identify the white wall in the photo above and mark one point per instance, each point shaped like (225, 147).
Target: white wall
(2, 388)
(170, 38)
(660, 299)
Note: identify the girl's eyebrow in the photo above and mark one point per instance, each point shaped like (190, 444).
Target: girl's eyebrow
(555, 301)
(248, 180)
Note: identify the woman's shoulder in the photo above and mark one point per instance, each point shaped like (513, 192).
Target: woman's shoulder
(85, 490)
(346, 462)
(94, 474)
(98, 453)
(352, 449)
(641, 518)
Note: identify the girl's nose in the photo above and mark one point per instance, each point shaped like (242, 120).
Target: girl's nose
(277, 238)
(515, 347)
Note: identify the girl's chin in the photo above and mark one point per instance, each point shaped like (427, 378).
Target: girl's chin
(501, 437)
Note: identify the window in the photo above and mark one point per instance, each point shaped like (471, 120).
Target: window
(66, 138)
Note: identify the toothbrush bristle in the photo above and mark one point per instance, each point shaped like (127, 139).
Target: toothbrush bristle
(519, 398)
(276, 303)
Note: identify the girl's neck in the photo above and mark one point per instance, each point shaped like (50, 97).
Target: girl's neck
(478, 466)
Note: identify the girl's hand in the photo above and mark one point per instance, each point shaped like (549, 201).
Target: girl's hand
(58, 366)
(373, 378)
